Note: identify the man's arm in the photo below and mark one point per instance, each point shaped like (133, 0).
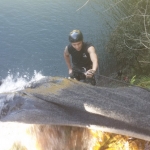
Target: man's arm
(67, 59)
(94, 59)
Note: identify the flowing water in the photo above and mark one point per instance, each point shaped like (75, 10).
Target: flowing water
(18, 136)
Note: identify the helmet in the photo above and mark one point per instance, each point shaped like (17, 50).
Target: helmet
(75, 36)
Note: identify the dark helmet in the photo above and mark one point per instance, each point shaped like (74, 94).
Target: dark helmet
(75, 36)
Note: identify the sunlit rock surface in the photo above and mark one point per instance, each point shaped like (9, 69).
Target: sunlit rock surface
(59, 101)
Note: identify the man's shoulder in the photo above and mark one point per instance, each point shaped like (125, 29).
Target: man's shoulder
(87, 45)
(69, 48)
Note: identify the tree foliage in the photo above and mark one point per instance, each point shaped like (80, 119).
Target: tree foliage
(130, 42)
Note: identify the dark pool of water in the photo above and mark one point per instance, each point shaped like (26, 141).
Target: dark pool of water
(33, 34)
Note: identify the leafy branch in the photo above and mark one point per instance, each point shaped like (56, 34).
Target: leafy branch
(130, 42)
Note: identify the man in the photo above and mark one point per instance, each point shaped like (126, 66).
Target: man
(84, 58)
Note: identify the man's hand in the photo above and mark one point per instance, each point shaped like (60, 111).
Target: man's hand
(90, 73)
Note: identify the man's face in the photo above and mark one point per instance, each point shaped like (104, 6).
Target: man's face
(77, 45)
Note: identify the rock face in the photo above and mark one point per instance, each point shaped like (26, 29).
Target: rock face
(59, 101)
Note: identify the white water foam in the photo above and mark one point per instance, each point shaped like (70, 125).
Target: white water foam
(16, 83)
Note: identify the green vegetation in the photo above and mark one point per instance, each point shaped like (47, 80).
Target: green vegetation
(143, 81)
(130, 41)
